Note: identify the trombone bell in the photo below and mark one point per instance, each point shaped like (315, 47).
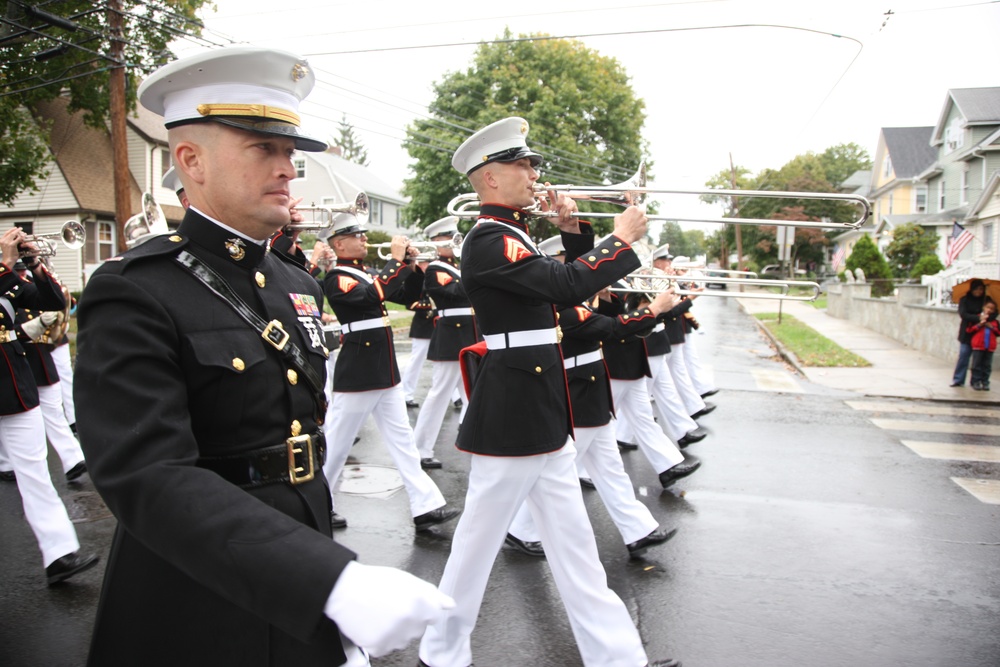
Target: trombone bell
(359, 208)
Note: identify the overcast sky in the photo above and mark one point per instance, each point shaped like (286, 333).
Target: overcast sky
(764, 93)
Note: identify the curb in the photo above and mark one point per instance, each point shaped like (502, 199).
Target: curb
(783, 352)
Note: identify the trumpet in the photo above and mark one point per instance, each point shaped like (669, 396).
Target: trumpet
(146, 224)
(653, 282)
(72, 234)
(359, 208)
(426, 248)
(634, 192)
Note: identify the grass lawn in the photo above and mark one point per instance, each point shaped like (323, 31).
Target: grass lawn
(811, 348)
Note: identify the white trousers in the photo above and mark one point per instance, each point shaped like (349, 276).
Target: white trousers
(418, 355)
(60, 355)
(597, 451)
(445, 381)
(349, 411)
(701, 378)
(674, 417)
(632, 400)
(678, 369)
(498, 485)
(23, 437)
(57, 428)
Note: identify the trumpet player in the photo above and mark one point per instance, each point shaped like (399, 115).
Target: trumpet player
(366, 378)
(454, 328)
(584, 330)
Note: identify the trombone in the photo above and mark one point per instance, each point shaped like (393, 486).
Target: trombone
(72, 234)
(359, 208)
(653, 282)
(424, 247)
(634, 192)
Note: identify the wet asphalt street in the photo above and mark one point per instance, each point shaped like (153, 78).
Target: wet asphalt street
(811, 537)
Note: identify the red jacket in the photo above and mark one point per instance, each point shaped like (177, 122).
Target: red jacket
(984, 335)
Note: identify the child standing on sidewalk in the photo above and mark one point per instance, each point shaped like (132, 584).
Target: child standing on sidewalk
(984, 342)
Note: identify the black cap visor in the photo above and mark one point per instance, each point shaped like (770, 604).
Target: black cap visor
(269, 127)
(511, 155)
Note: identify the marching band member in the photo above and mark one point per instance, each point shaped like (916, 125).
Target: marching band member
(454, 329)
(518, 426)
(700, 376)
(366, 377)
(200, 386)
(22, 429)
(421, 328)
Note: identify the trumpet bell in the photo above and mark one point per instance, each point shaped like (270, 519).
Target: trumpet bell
(74, 235)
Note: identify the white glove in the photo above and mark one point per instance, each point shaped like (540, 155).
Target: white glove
(383, 609)
(33, 328)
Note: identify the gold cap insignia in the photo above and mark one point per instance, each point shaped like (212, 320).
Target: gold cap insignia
(524, 127)
(236, 249)
(299, 72)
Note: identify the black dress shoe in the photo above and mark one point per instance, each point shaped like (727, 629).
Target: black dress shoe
(337, 521)
(710, 392)
(529, 548)
(63, 568)
(957, 384)
(357, 439)
(457, 403)
(709, 407)
(7, 476)
(669, 662)
(628, 446)
(680, 471)
(412, 404)
(434, 517)
(430, 463)
(658, 536)
(587, 482)
(692, 437)
(76, 472)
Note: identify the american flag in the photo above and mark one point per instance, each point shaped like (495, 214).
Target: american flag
(960, 237)
(839, 257)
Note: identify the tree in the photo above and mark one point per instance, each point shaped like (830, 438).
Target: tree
(63, 49)
(928, 265)
(909, 243)
(688, 243)
(867, 257)
(351, 148)
(585, 119)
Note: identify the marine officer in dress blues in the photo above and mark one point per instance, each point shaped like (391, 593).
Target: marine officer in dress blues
(366, 378)
(200, 384)
(518, 427)
(454, 329)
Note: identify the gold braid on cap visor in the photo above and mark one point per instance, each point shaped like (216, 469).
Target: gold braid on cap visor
(251, 111)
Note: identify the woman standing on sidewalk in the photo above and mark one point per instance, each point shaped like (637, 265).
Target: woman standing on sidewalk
(969, 307)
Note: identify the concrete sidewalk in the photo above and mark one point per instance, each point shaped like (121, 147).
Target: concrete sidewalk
(896, 370)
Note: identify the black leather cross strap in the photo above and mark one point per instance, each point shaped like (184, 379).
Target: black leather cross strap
(296, 461)
(271, 331)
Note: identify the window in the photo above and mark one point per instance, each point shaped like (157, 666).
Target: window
(887, 166)
(300, 167)
(920, 204)
(100, 241)
(940, 195)
(891, 198)
(164, 161)
(27, 227)
(987, 238)
(954, 135)
(964, 185)
(375, 212)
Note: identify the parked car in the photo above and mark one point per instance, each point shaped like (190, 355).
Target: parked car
(774, 271)
(709, 273)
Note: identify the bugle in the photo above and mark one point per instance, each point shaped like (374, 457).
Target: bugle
(634, 191)
(72, 234)
(359, 208)
(423, 247)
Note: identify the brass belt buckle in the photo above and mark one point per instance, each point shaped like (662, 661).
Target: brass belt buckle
(296, 473)
(275, 334)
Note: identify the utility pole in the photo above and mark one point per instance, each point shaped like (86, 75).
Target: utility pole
(736, 212)
(119, 141)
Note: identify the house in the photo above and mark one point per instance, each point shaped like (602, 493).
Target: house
(897, 196)
(858, 183)
(79, 186)
(327, 179)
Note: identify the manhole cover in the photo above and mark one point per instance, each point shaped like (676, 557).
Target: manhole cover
(373, 481)
(86, 506)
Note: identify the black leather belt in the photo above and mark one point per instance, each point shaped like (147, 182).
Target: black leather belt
(296, 461)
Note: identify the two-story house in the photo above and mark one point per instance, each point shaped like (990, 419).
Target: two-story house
(324, 179)
(897, 196)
